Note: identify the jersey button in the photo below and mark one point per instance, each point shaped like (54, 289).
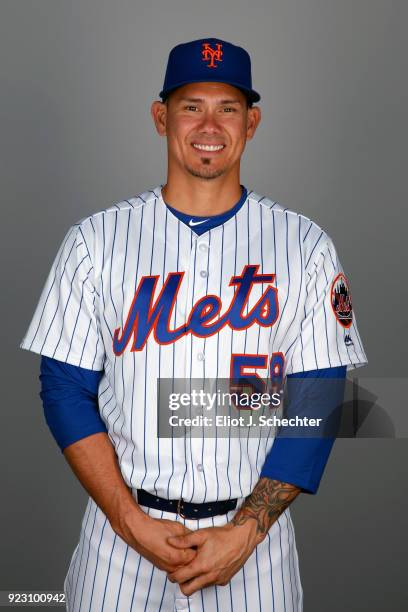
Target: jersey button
(200, 467)
(203, 273)
(203, 247)
(200, 356)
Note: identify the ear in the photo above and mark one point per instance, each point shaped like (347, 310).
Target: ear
(159, 113)
(253, 119)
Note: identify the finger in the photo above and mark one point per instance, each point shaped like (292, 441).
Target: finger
(195, 538)
(197, 583)
(187, 555)
(187, 572)
(179, 557)
(179, 529)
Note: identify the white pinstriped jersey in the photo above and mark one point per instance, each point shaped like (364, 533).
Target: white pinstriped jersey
(90, 315)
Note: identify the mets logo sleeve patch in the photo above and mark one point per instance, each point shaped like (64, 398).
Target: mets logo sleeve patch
(341, 300)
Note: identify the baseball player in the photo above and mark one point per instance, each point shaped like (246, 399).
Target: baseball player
(198, 278)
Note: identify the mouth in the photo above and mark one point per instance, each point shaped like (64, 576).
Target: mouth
(206, 148)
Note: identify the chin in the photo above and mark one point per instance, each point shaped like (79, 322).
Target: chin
(205, 172)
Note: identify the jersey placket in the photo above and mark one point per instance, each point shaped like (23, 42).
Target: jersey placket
(194, 485)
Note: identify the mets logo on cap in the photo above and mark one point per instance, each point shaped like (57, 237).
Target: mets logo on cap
(340, 298)
(211, 55)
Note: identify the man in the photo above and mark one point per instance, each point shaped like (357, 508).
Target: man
(198, 278)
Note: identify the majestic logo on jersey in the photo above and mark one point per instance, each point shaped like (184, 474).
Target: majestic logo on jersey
(145, 316)
(347, 340)
(341, 300)
(211, 55)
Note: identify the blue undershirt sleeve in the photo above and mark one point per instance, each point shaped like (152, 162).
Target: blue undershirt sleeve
(70, 400)
(301, 460)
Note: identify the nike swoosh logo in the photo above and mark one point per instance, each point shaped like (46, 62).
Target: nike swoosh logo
(192, 223)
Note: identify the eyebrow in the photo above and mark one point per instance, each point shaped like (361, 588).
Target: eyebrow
(226, 101)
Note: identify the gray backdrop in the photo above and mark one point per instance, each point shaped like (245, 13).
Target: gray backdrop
(78, 78)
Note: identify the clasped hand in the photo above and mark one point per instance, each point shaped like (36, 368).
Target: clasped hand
(193, 559)
(220, 553)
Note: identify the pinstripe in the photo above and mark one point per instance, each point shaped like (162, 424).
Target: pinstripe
(258, 581)
(163, 276)
(137, 577)
(134, 359)
(337, 342)
(84, 242)
(251, 486)
(281, 563)
(121, 579)
(190, 373)
(95, 355)
(96, 567)
(82, 539)
(281, 318)
(310, 226)
(325, 327)
(107, 576)
(291, 540)
(314, 340)
(215, 586)
(232, 342)
(102, 289)
(173, 366)
(78, 313)
(270, 565)
(217, 370)
(150, 581)
(185, 436)
(84, 345)
(123, 301)
(87, 558)
(313, 249)
(201, 590)
(230, 594)
(70, 232)
(290, 558)
(274, 268)
(134, 588)
(258, 469)
(70, 575)
(145, 361)
(245, 588)
(164, 590)
(356, 334)
(203, 438)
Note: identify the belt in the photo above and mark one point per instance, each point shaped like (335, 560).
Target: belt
(185, 509)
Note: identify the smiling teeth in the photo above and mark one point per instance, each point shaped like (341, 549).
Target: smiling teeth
(208, 147)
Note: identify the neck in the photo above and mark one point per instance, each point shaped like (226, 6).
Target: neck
(200, 197)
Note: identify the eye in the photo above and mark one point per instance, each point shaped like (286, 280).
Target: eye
(190, 106)
(229, 109)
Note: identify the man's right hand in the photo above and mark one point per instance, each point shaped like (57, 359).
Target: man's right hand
(148, 536)
(94, 461)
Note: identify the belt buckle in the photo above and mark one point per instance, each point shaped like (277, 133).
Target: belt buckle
(179, 512)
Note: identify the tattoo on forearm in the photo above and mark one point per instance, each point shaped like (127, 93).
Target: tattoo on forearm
(266, 503)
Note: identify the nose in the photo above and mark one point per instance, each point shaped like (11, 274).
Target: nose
(209, 123)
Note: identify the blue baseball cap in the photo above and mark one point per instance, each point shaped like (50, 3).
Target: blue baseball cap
(209, 59)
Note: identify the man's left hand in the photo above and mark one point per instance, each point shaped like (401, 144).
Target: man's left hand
(221, 552)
